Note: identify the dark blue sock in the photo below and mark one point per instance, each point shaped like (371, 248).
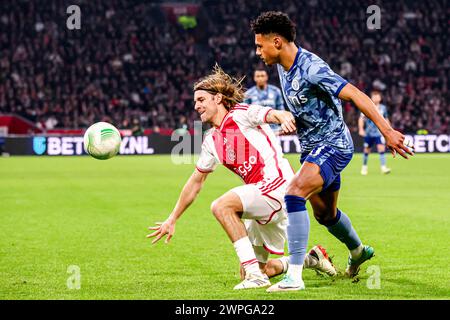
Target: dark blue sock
(342, 229)
(365, 159)
(297, 229)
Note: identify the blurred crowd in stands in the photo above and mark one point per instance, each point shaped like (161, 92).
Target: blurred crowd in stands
(129, 65)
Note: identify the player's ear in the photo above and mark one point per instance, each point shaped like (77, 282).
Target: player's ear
(277, 42)
(218, 98)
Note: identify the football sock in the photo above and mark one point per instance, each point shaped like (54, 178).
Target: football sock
(285, 262)
(295, 271)
(382, 159)
(365, 159)
(342, 229)
(298, 233)
(247, 258)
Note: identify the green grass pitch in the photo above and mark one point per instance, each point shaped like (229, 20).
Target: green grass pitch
(77, 211)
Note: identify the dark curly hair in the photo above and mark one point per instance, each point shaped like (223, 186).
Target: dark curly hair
(274, 22)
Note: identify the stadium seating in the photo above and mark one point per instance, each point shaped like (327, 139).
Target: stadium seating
(129, 61)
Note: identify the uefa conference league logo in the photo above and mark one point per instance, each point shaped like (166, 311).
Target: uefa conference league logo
(39, 145)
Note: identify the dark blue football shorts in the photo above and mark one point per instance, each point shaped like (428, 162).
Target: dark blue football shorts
(331, 162)
(370, 141)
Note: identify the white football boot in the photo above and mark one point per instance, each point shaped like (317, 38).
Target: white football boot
(385, 170)
(253, 281)
(324, 263)
(287, 284)
(364, 170)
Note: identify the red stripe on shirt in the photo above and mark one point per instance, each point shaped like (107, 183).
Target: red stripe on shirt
(279, 184)
(267, 186)
(243, 106)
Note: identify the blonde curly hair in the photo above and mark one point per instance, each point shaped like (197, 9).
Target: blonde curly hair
(220, 82)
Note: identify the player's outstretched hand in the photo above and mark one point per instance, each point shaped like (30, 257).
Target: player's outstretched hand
(162, 228)
(395, 141)
(287, 122)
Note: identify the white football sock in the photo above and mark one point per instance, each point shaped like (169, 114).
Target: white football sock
(295, 272)
(285, 262)
(247, 257)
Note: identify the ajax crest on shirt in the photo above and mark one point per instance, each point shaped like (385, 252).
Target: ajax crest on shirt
(231, 155)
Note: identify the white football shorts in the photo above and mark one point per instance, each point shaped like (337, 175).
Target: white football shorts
(265, 216)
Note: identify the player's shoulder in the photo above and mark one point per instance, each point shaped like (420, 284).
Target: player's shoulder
(307, 56)
(239, 110)
(208, 132)
(208, 135)
(274, 88)
(311, 63)
(240, 107)
(241, 113)
(251, 90)
(208, 140)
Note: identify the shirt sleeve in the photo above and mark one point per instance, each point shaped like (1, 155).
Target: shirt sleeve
(206, 162)
(255, 115)
(320, 73)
